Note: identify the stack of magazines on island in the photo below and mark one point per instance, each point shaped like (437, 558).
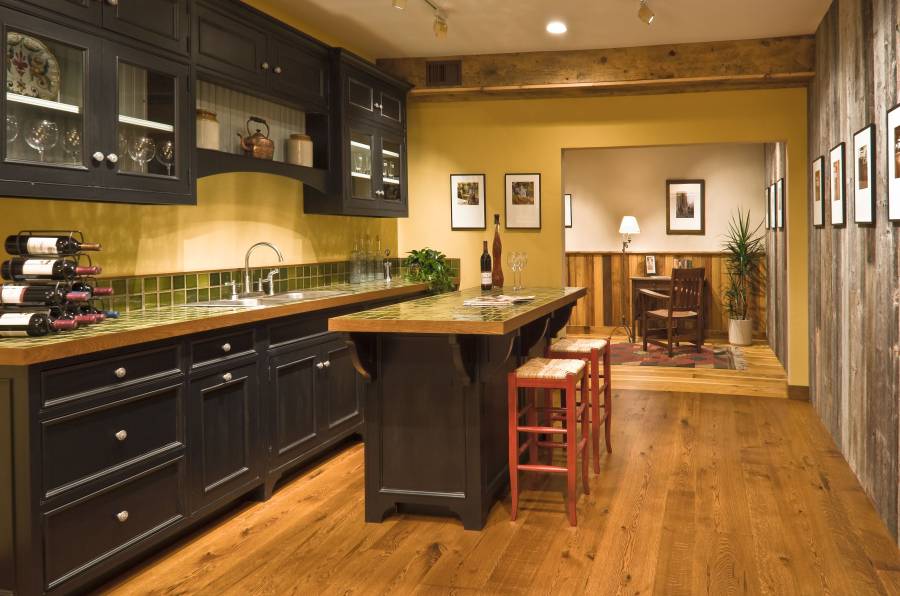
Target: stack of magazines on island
(48, 284)
(499, 300)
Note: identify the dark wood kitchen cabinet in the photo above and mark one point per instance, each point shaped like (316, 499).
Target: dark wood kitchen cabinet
(342, 389)
(115, 127)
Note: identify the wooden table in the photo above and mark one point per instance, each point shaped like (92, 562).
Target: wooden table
(657, 283)
(435, 407)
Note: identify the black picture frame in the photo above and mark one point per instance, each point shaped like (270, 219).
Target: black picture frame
(781, 203)
(508, 200)
(568, 215)
(820, 163)
(702, 230)
(842, 185)
(872, 180)
(892, 130)
(453, 224)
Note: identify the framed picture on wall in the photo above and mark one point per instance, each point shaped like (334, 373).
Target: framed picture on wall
(523, 201)
(468, 210)
(864, 178)
(650, 264)
(686, 207)
(818, 189)
(893, 153)
(768, 211)
(772, 206)
(567, 210)
(780, 198)
(837, 177)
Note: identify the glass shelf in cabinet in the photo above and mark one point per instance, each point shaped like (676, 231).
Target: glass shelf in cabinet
(146, 123)
(42, 103)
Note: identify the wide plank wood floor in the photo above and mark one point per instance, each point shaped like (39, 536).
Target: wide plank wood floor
(702, 495)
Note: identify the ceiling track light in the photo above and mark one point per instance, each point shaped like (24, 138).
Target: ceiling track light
(440, 24)
(645, 13)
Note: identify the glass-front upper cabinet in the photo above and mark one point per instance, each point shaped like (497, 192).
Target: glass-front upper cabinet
(362, 159)
(392, 170)
(48, 107)
(149, 149)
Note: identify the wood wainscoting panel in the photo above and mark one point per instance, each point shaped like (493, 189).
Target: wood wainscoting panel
(601, 274)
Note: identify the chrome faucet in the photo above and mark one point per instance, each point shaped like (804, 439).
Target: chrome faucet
(248, 284)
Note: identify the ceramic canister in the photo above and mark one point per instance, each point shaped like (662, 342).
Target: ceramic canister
(300, 150)
(207, 130)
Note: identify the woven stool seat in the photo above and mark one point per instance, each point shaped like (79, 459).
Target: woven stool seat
(577, 345)
(550, 368)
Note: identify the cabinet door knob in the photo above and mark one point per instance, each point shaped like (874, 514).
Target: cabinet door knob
(264, 66)
(121, 372)
(122, 435)
(327, 363)
(226, 347)
(122, 516)
(320, 365)
(112, 2)
(378, 105)
(227, 377)
(277, 70)
(112, 158)
(98, 156)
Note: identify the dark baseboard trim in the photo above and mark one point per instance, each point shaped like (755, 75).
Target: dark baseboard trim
(798, 392)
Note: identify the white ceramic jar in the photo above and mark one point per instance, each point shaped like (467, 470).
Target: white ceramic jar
(207, 130)
(300, 150)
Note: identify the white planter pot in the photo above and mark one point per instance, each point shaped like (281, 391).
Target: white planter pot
(740, 332)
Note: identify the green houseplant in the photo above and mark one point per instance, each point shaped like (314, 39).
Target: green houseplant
(429, 266)
(744, 254)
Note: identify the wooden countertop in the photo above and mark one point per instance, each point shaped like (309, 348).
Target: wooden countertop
(165, 323)
(446, 313)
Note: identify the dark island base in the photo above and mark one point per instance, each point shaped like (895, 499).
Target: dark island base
(436, 437)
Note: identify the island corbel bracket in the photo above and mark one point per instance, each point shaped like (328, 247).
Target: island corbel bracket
(461, 353)
(363, 348)
(532, 333)
(558, 320)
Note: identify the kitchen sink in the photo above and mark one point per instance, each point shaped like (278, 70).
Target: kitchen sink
(228, 303)
(300, 296)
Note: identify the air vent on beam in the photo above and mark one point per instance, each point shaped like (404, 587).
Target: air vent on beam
(443, 73)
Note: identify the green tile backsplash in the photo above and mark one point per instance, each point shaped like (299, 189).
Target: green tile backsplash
(161, 291)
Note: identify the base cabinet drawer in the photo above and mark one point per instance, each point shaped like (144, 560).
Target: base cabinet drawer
(93, 529)
(83, 446)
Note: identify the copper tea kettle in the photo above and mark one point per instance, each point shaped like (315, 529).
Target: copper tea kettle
(257, 145)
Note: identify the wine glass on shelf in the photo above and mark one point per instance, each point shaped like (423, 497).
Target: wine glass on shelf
(142, 149)
(166, 155)
(72, 144)
(43, 135)
(12, 129)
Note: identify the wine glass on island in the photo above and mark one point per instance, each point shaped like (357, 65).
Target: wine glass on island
(166, 155)
(43, 135)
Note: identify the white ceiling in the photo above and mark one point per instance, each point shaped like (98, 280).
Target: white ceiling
(496, 26)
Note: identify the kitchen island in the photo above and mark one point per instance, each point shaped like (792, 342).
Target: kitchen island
(435, 425)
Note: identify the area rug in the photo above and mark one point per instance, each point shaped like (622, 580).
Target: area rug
(722, 357)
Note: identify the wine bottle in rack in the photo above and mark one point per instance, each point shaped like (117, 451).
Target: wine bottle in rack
(21, 269)
(81, 286)
(39, 295)
(73, 312)
(24, 324)
(25, 244)
(62, 321)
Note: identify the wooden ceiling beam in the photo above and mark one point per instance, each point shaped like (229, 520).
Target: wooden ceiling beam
(760, 63)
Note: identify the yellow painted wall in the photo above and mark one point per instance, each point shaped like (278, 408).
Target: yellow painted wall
(499, 136)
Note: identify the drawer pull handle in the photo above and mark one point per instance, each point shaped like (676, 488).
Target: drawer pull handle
(227, 377)
(122, 435)
(121, 372)
(122, 516)
(226, 347)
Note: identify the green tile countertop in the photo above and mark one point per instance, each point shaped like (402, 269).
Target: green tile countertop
(165, 322)
(446, 313)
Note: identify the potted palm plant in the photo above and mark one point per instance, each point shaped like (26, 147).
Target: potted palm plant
(744, 254)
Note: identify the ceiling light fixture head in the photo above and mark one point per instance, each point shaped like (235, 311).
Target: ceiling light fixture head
(399, 4)
(440, 24)
(645, 13)
(556, 27)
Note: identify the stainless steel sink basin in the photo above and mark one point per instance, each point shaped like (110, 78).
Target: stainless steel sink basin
(227, 303)
(301, 296)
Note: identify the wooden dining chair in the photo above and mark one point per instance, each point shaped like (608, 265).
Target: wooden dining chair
(683, 303)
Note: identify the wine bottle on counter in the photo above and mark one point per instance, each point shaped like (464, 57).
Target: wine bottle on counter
(21, 244)
(80, 286)
(21, 269)
(486, 281)
(497, 272)
(26, 324)
(39, 295)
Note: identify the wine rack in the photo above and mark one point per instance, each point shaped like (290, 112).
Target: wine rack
(38, 304)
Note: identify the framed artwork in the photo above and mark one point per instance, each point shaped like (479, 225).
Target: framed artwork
(650, 264)
(779, 200)
(468, 210)
(864, 178)
(837, 177)
(818, 188)
(686, 207)
(768, 212)
(523, 201)
(773, 206)
(567, 210)
(893, 153)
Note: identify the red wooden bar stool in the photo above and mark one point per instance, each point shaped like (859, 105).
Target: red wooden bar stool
(547, 373)
(591, 350)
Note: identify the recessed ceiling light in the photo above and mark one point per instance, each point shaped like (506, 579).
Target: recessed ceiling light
(399, 4)
(645, 13)
(556, 27)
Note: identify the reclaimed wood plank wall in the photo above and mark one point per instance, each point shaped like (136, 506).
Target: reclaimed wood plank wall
(854, 294)
(601, 274)
(776, 259)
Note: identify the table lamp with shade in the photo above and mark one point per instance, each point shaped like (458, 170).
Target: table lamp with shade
(627, 229)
